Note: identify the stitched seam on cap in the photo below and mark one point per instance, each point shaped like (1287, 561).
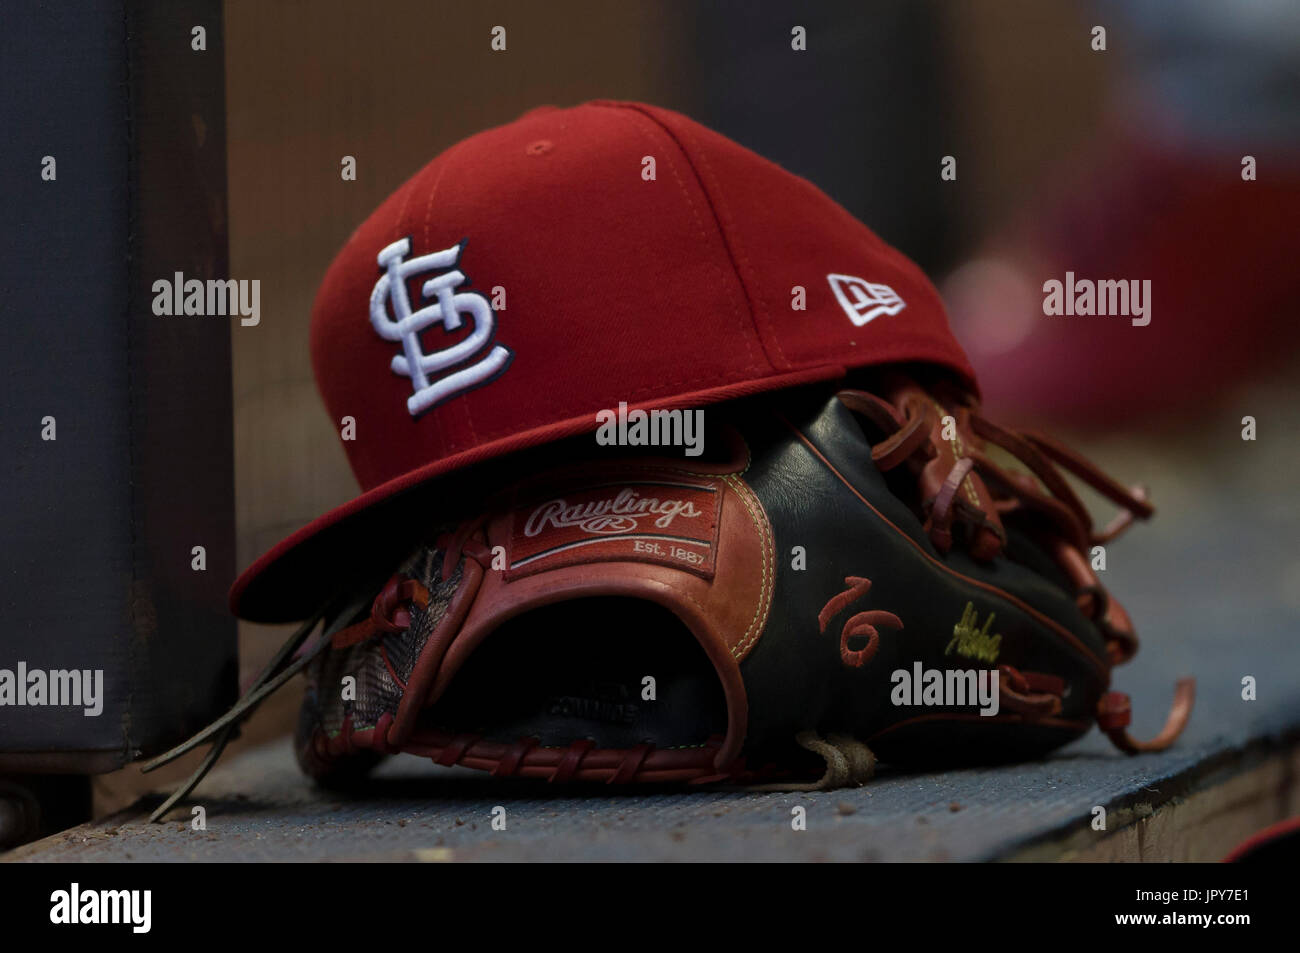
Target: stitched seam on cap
(743, 267)
(428, 217)
(695, 214)
(717, 221)
(750, 294)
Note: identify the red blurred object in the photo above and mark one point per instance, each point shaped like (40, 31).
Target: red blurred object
(1280, 841)
(1220, 254)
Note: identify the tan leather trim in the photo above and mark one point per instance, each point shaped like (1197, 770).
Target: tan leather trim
(726, 614)
(758, 516)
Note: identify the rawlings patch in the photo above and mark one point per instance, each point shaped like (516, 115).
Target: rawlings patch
(672, 522)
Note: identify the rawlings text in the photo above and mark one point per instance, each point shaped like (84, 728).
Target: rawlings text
(620, 513)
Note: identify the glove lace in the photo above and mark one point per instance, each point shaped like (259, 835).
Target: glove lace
(971, 490)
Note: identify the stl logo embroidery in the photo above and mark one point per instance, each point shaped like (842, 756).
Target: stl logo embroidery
(864, 301)
(432, 386)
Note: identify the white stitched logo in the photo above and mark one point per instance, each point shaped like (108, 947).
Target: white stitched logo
(863, 300)
(618, 514)
(405, 325)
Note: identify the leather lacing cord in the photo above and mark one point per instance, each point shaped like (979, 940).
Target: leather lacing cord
(580, 760)
(526, 757)
(390, 609)
(1032, 694)
(292, 657)
(908, 430)
(389, 612)
(464, 542)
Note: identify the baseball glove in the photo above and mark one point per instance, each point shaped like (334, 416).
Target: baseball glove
(842, 576)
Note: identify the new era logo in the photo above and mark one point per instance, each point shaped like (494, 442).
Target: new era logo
(862, 300)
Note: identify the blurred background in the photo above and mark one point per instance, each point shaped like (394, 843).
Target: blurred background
(1121, 163)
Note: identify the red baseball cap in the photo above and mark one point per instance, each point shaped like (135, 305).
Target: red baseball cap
(545, 270)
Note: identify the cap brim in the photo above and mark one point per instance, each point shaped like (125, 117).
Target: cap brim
(295, 577)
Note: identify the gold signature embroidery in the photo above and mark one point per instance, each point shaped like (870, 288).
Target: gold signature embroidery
(973, 642)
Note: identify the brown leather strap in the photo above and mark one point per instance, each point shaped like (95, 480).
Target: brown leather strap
(1026, 452)
(1115, 712)
(1133, 500)
(388, 612)
(513, 757)
(1123, 519)
(1024, 494)
(1034, 694)
(909, 430)
(571, 760)
(941, 516)
(631, 764)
